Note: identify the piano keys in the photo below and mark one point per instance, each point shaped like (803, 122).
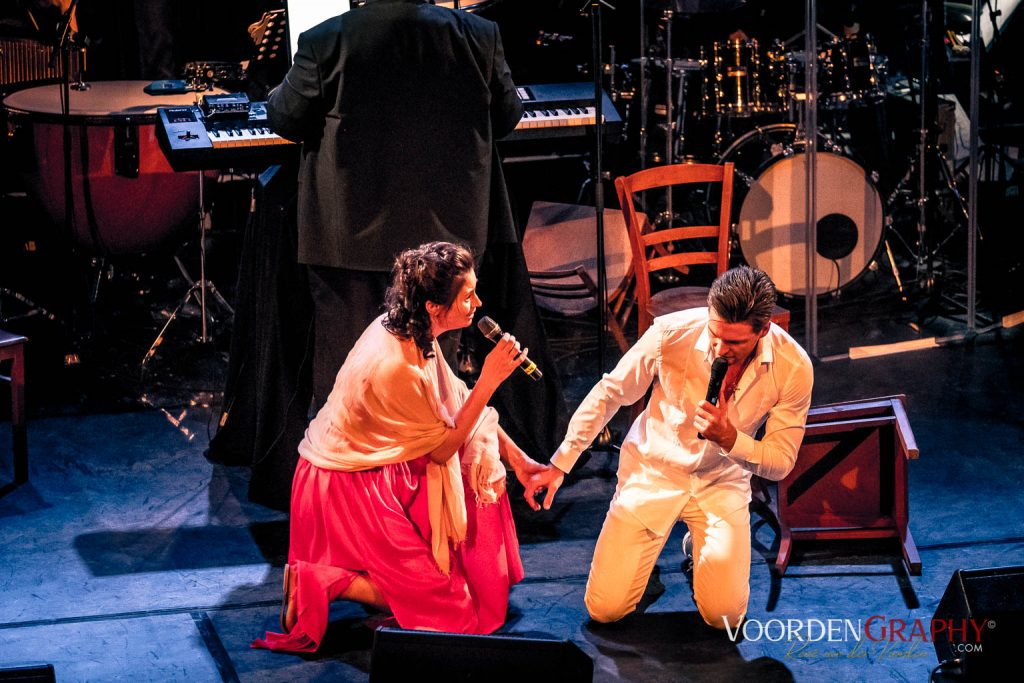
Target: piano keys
(558, 110)
(193, 140)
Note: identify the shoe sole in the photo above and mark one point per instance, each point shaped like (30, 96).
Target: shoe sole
(285, 602)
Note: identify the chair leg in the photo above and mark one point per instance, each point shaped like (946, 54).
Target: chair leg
(785, 548)
(19, 428)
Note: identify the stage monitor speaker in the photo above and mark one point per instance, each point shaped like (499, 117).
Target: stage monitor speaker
(30, 673)
(986, 606)
(410, 655)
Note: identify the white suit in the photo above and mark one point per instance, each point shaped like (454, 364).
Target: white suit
(666, 473)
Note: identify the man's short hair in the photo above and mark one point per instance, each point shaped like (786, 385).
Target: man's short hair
(743, 295)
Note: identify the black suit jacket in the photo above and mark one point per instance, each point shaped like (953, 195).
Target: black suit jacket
(397, 104)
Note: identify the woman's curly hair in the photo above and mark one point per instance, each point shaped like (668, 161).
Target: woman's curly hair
(431, 272)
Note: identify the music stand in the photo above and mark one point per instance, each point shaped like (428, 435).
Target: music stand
(269, 61)
(270, 34)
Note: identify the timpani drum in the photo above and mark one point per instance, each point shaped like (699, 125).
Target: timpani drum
(125, 197)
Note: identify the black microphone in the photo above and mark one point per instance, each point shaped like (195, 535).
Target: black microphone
(718, 369)
(490, 329)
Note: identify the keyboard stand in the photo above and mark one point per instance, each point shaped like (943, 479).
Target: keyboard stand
(198, 288)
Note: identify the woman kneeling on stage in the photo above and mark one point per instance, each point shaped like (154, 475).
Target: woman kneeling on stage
(399, 498)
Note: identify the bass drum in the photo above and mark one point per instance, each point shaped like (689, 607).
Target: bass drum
(770, 221)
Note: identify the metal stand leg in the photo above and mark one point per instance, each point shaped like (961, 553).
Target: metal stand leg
(198, 288)
(924, 254)
(895, 270)
(32, 308)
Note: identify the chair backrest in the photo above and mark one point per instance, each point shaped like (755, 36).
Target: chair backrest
(651, 251)
(565, 285)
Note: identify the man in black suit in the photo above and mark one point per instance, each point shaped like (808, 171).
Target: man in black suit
(397, 104)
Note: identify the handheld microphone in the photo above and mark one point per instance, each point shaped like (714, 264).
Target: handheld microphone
(490, 329)
(718, 369)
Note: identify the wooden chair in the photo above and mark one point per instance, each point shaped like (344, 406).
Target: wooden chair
(12, 348)
(677, 247)
(709, 245)
(850, 479)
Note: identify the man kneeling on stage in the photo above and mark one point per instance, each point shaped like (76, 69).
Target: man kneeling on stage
(685, 458)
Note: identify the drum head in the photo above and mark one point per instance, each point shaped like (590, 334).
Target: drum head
(103, 102)
(772, 232)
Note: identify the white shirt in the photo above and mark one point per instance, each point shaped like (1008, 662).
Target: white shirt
(662, 462)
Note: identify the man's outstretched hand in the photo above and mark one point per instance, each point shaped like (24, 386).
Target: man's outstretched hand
(549, 479)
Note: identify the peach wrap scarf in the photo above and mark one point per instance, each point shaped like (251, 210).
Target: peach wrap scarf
(390, 405)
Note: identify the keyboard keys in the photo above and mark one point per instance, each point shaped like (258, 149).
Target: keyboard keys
(244, 137)
(557, 117)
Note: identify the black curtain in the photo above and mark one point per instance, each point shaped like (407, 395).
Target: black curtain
(269, 384)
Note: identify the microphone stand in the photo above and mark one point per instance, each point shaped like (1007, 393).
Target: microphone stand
(63, 52)
(598, 174)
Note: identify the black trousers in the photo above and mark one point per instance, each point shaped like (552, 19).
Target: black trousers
(344, 303)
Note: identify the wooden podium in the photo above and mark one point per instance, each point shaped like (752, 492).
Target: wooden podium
(850, 478)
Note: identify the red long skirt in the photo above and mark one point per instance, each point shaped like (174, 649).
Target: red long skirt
(375, 523)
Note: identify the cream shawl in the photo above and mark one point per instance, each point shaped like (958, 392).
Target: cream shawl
(390, 405)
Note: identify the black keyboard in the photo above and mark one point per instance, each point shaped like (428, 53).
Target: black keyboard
(191, 140)
(562, 110)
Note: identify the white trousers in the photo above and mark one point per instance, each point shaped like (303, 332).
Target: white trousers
(627, 551)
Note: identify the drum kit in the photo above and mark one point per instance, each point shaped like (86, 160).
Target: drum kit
(741, 101)
(743, 78)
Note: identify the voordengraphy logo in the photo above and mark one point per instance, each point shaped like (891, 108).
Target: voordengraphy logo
(805, 630)
(877, 634)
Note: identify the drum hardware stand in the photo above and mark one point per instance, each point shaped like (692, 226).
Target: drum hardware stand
(920, 253)
(674, 112)
(34, 309)
(198, 288)
(800, 34)
(646, 60)
(927, 150)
